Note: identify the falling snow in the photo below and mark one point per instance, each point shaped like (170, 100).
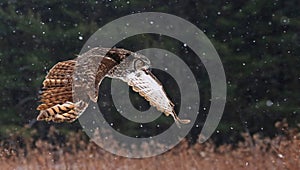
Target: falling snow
(269, 103)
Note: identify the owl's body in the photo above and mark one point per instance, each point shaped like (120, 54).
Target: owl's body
(84, 75)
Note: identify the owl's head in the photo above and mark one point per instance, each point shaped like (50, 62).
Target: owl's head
(140, 62)
(133, 63)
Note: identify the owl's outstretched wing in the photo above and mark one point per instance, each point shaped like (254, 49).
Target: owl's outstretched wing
(149, 87)
(57, 96)
(84, 75)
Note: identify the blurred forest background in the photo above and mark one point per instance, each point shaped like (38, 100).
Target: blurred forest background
(258, 42)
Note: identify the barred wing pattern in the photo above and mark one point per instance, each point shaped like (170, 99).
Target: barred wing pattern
(56, 97)
(59, 103)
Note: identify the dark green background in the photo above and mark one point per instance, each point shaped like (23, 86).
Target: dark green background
(258, 42)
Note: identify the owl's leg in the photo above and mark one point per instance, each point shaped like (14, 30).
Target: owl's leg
(177, 120)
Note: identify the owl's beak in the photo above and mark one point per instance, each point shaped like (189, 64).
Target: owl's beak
(147, 70)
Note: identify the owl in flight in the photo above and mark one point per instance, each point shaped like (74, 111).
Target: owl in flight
(70, 85)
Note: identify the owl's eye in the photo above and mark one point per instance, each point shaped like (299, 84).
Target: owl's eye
(138, 64)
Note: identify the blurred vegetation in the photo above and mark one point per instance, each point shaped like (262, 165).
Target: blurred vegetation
(258, 42)
(75, 152)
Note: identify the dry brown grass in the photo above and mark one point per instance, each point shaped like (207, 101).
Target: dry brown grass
(281, 152)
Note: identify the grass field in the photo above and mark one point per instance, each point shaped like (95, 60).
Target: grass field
(255, 152)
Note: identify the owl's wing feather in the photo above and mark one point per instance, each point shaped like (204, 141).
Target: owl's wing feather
(57, 97)
(149, 87)
(93, 66)
(57, 86)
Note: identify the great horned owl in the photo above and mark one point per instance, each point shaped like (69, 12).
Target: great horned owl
(85, 73)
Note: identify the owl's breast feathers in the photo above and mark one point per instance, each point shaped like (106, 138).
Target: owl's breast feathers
(57, 103)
